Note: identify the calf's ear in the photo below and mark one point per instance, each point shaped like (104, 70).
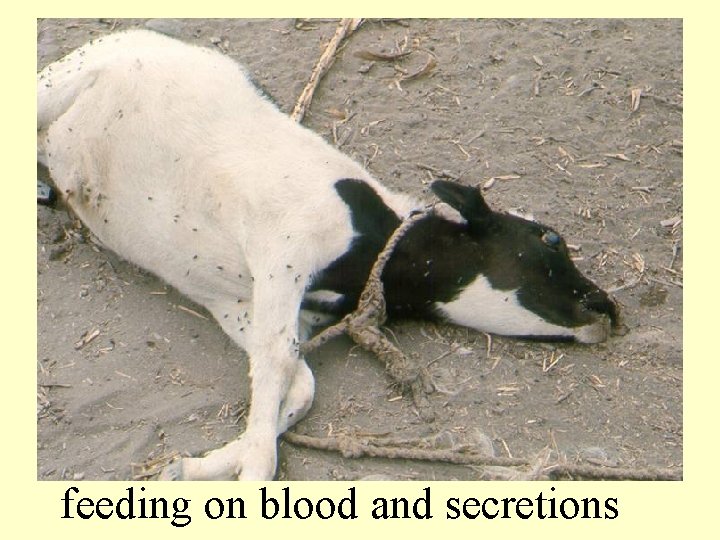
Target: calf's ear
(466, 200)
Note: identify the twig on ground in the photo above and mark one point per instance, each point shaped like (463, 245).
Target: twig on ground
(344, 29)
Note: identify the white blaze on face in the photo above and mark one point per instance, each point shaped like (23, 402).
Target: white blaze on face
(484, 308)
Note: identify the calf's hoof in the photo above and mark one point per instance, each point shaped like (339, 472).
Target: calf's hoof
(172, 471)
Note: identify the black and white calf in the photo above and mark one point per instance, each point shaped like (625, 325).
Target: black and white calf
(175, 161)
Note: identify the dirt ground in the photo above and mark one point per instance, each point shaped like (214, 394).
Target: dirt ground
(540, 113)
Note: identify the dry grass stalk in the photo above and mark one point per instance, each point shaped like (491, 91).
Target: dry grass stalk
(192, 312)
(382, 57)
(429, 65)
(635, 95)
(152, 466)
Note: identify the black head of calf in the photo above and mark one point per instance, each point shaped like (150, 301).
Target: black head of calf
(483, 269)
(496, 273)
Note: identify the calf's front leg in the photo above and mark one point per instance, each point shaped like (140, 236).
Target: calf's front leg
(282, 389)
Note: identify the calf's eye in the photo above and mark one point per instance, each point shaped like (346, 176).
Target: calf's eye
(551, 239)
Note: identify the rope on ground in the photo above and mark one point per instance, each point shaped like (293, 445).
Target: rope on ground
(538, 469)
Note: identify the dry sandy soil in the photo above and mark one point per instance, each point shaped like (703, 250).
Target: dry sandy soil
(129, 370)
